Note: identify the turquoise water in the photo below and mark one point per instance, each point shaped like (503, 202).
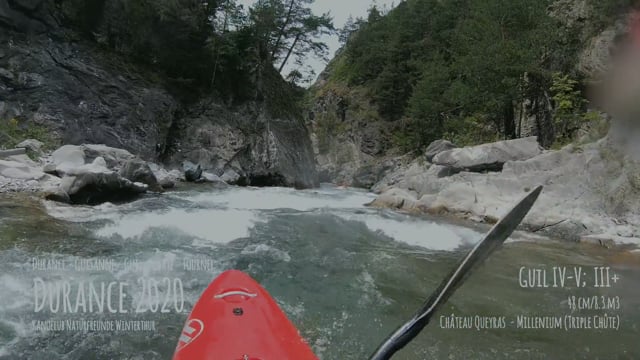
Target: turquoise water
(346, 275)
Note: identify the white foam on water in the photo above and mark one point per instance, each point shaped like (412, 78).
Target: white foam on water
(15, 293)
(21, 330)
(233, 211)
(369, 291)
(336, 328)
(16, 300)
(82, 213)
(284, 198)
(213, 225)
(294, 310)
(266, 250)
(417, 232)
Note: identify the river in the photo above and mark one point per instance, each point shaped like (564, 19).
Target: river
(345, 274)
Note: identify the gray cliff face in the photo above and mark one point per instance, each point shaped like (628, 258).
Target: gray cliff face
(80, 97)
(262, 150)
(80, 94)
(594, 58)
(348, 138)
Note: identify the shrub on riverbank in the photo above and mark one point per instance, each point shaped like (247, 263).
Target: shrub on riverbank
(13, 131)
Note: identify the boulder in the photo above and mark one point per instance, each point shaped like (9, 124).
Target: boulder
(489, 157)
(177, 175)
(31, 145)
(138, 170)
(115, 158)
(192, 172)
(399, 173)
(442, 171)
(438, 146)
(396, 199)
(56, 194)
(166, 179)
(70, 155)
(12, 152)
(230, 176)
(18, 170)
(99, 165)
(23, 159)
(210, 177)
(166, 183)
(49, 182)
(50, 168)
(98, 187)
(368, 175)
(91, 183)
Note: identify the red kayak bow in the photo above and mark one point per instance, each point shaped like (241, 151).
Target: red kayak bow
(236, 319)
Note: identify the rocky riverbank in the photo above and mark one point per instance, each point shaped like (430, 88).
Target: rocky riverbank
(591, 191)
(92, 174)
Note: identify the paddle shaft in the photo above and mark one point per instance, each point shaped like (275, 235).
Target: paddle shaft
(496, 237)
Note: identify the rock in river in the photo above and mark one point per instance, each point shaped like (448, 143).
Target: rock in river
(95, 187)
(192, 172)
(69, 157)
(166, 179)
(95, 183)
(138, 170)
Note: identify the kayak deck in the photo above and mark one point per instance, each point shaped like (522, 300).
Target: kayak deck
(237, 319)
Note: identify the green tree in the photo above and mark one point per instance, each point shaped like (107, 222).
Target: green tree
(499, 42)
(289, 29)
(350, 27)
(428, 111)
(455, 67)
(222, 43)
(569, 106)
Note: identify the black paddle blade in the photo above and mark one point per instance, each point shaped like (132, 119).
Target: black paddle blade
(496, 236)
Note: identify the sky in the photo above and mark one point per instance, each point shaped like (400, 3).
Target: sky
(340, 11)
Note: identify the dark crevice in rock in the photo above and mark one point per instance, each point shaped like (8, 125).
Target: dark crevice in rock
(96, 194)
(484, 168)
(446, 171)
(267, 180)
(242, 181)
(171, 140)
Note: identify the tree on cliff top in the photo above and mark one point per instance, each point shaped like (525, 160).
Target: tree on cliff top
(205, 44)
(288, 29)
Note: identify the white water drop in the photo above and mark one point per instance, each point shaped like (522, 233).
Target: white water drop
(211, 226)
